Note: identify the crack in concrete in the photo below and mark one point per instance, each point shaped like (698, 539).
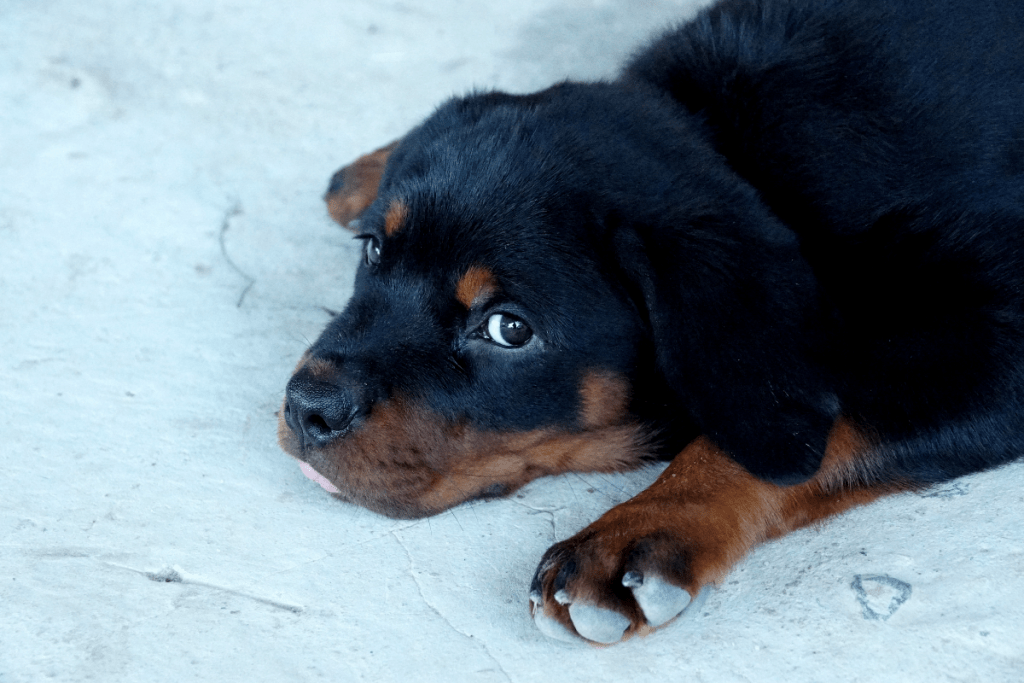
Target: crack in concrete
(172, 575)
(299, 565)
(435, 610)
(549, 512)
(234, 211)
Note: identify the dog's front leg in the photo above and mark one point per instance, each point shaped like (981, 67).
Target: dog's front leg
(646, 561)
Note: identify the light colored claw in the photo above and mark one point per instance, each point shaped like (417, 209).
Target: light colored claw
(660, 600)
(562, 597)
(632, 579)
(598, 624)
(552, 628)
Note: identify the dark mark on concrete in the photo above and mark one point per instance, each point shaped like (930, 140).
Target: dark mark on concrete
(879, 594)
(952, 490)
(164, 576)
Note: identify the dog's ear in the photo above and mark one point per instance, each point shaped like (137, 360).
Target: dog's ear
(735, 315)
(354, 187)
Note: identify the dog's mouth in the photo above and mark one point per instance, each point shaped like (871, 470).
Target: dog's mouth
(405, 462)
(324, 482)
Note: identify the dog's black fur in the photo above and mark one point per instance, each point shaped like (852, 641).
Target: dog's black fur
(782, 214)
(887, 140)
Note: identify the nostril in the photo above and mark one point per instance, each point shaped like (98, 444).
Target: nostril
(319, 412)
(289, 417)
(315, 424)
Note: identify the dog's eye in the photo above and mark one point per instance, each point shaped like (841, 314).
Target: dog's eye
(507, 330)
(371, 249)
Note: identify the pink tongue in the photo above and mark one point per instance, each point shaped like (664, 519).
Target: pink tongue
(318, 478)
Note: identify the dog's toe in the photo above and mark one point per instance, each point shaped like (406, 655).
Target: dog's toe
(606, 585)
(659, 600)
(553, 628)
(597, 623)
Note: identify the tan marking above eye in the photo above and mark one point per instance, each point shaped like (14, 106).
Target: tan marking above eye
(395, 217)
(475, 286)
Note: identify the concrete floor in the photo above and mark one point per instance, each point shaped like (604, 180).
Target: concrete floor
(165, 258)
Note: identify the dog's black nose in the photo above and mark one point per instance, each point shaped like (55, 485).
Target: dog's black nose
(317, 411)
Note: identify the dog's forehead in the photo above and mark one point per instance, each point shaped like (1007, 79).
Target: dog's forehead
(486, 171)
(488, 205)
(461, 211)
(477, 253)
(463, 259)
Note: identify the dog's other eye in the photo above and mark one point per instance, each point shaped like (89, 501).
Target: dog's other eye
(371, 249)
(508, 330)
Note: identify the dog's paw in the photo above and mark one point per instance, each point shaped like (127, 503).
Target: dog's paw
(605, 585)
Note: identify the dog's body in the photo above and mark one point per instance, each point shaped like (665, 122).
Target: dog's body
(785, 249)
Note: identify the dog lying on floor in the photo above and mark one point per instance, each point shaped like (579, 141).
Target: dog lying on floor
(784, 250)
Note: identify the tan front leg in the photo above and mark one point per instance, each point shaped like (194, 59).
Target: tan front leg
(639, 565)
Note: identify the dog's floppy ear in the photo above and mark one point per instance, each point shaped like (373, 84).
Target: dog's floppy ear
(736, 320)
(354, 187)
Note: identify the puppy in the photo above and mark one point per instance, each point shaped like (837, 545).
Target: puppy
(784, 249)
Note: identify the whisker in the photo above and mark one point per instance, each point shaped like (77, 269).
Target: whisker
(456, 518)
(457, 364)
(608, 480)
(568, 483)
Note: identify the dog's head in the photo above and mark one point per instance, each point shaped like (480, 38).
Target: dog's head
(501, 326)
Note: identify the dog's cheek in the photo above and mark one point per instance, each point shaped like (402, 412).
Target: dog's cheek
(604, 399)
(495, 464)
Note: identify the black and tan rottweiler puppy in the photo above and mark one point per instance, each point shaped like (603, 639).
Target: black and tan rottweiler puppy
(784, 249)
